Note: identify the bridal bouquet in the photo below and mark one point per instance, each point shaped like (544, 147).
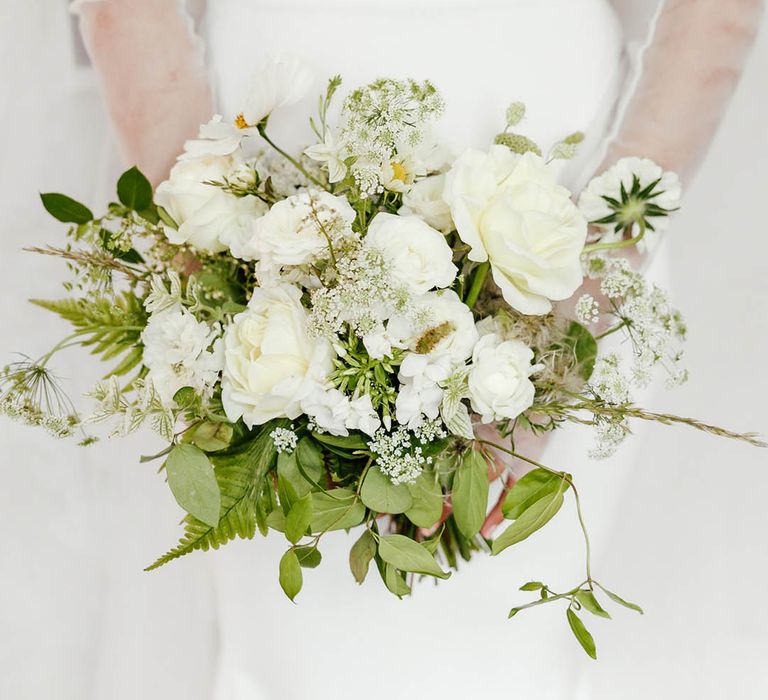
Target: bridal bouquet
(356, 337)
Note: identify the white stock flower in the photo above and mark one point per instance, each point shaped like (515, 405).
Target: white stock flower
(207, 216)
(333, 412)
(178, 353)
(270, 362)
(417, 255)
(499, 384)
(425, 199)
(510, 210)
(420, 393)
(296, 230)
(278, 81)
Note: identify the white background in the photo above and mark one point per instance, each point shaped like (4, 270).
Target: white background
(689, 539)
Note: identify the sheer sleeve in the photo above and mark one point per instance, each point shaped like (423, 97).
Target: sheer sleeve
(153, 77)
(685, 73)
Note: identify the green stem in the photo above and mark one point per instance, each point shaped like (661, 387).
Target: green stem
(478, 279)
(295, 163)
(624, 243)
(611, 330)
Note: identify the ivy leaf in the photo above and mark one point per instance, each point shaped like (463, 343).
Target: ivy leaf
(620, 601)
(337, 509)
(134, 190)
(291, 578)
(361, 554)
(380, 494)
(193, 483)
(405, 554)
(470, 493)
(298, 519)
(427, 497)
(66, 209)
(309, 557)
(532, 519)
(590, 604)
(581, 633)
(535, 485)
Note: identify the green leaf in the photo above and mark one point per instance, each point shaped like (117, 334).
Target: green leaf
(395, 582)
(184, 397)
(286, 494)
(291, 577)
(584, 347)
(532, 487)
(212, 437)
(361, 554)
(288, 471)
(380, 494)
(298, 519)
(532, 519)
(309, 557)
(469, 495)
(581, 633)
(590, 604)
(405, 554)
(193, 484)
(134, 190)
(620, 601)
(240, 472)
(532, 586)
(427, 497)
(337, 509)
(309, 461)
(66, 209)
(345, 442)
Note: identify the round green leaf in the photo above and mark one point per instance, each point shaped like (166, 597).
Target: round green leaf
(134, 190)
(380, 494)
(427, 499)
(193, 483)
(337, 509)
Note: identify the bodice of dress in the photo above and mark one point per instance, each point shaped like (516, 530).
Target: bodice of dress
(482, 55)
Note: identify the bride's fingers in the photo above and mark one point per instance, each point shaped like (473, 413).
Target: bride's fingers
(496, 515)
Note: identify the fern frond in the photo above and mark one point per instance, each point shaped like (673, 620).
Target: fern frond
(240, 472)
(110, 326)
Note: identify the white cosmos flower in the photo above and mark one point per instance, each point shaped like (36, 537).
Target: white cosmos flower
(330, 153)
(499, 384)
(207, 216)
(178, 353)
(509, 209)
(270, 362)
(216, 138)
(425, 199)
(279, 81)
(417, 255)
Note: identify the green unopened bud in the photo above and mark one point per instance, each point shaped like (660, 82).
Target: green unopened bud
(515, 113)
(517, 143)
(575, 138)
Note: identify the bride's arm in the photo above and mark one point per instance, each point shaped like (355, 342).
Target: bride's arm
(153, 77)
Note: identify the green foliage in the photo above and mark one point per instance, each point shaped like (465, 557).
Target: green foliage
(298, 519)
(581, 633)
(337, 509)
(110, 325)
(193, 483)
(240, 472)
(535, 485)
(66, 209)
(291, 578)
(427, 500)
(361, 554)
(470, 493)
(134, 190)
(406, 555)
(210, 436)
(381, 495)
(582, 346)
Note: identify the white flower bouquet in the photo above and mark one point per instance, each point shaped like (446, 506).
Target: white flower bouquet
(356, 336)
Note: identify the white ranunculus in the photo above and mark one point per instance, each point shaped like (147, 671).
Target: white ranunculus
(295, 231)
(425, 199)
(180, 351)
(448, 329)
(417, 255)
(509, 209)
(278, 81)
(270, 362)
(499, 384)
(207, 216)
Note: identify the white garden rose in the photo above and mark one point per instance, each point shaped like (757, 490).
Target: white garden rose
(278, 81)
(509, 209)
(207, 216)
(425, 199)
(499, 384)
(297, 230)
(416, 254)
(270, 362)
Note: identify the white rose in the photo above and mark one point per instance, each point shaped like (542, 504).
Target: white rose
(296, 230)
(510, 211)
(417, 255)
(425, 199)
(448, 330)
(279, 81)
(178, 353)
(270, 362)
(499, 384)
(207, 216)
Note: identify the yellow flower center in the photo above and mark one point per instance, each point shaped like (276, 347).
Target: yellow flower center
(240, 122)
(398, 171)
